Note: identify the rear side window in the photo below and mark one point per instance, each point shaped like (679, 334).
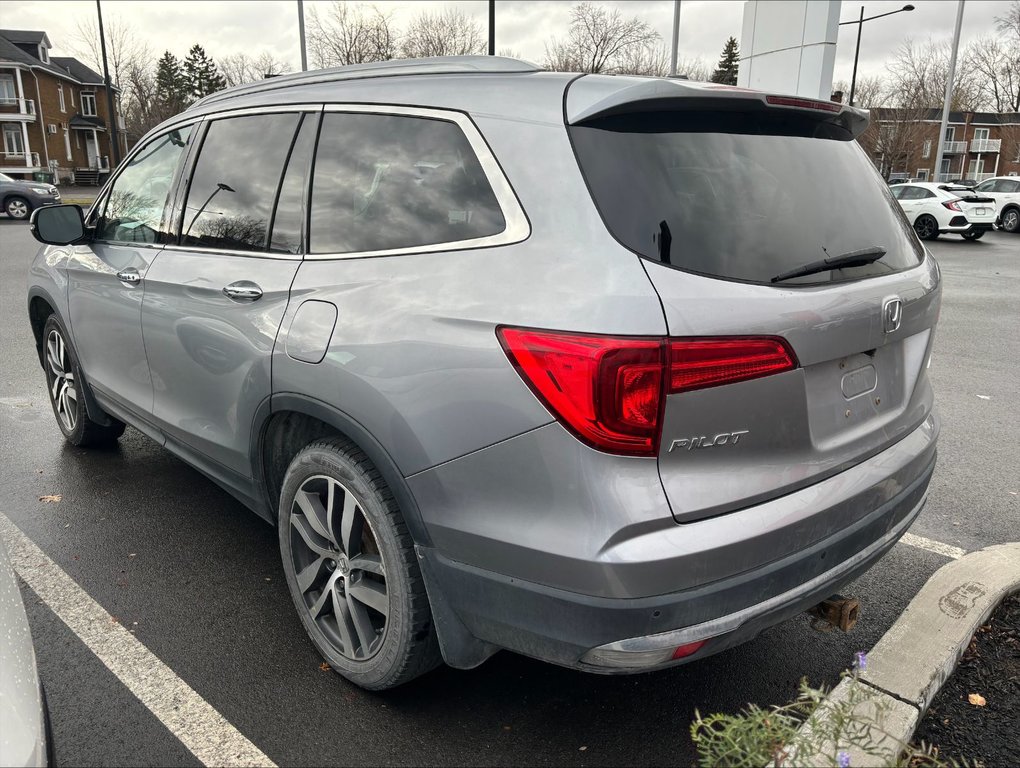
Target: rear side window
(741, 196)
(385, 182)
(235, 181)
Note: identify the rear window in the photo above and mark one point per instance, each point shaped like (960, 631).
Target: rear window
(741, 196)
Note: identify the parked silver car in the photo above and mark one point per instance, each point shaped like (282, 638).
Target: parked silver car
(601, 370)
(24, 735)
(19, 198)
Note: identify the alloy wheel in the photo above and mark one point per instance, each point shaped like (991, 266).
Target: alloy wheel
(1011, 221)
(63, 392)
(17, 209)
(339, 569)
(924, 227)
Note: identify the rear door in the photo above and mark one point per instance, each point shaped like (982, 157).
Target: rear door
(214, 301)
(720, 205)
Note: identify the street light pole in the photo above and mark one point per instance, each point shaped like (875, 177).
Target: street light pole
(492, 27)
(857, 53)
(109, 89)
(676, 37)
(301, 34)
(947, 102)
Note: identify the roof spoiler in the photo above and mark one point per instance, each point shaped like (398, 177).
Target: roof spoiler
(590, 98)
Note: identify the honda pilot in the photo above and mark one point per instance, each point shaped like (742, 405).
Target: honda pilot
(606, 371)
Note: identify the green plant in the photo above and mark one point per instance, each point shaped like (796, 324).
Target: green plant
(814, 729)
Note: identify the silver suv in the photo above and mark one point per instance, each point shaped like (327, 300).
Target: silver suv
(602, 370)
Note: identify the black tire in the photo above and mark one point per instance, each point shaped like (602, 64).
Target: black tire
(926, 227)
(1011, 220)
(376, 643)
(973, 235)
(17, 207)
(64, 382)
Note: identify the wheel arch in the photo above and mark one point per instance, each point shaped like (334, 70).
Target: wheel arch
(40, 306)
(287, 422)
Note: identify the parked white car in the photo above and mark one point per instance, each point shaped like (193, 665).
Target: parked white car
(1005, 190)
(938, 209)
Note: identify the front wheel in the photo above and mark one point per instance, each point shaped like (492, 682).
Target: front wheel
(926, 227)
(64, 382)
(352, 570)
(974, 235)
(17, 207)
(1011, 220)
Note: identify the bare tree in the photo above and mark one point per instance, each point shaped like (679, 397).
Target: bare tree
(918, 74)
(598, 40)
(351, 34)
(694, 68)
(124, 47)
(648, 59)
(999, 70)
(450, 32)
(1009, 23)
(894, 137)
(869, 92)
(241, 68)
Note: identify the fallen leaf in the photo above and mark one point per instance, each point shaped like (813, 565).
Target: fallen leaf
(582, 749)
(324, 667)
(133, 554)
(984, 397)
(50, 498)
(977, 699)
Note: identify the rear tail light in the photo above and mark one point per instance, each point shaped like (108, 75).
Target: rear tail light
(610, 391)
(953, 205)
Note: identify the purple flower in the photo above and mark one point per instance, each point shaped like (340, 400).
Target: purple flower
(843, 757)
(861, 662)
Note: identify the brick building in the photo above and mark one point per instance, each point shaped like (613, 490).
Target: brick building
(53, 112)
(979, 145)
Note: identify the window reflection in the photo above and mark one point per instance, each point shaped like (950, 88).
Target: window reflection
(235, 181)
(386, 181)
(136, 204)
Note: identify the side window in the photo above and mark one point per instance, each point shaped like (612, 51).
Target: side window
(235, 181)
(290, 210)
(988, 186)
(384, 182)
(897, 191)
(1010, 186)
(136, 207)
(920, 193)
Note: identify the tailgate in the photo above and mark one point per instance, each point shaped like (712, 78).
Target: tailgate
(759, 216)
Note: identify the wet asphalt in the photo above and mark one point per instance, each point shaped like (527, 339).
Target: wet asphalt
(197, 578)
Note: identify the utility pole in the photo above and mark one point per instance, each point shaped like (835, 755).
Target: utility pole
(857, 55)
(492, 27)
(109, 88)
(676, 38)
(949, 93)
(301, 34)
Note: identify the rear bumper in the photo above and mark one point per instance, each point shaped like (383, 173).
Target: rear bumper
(969, 225)
(640, 633)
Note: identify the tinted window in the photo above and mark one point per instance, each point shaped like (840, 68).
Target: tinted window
(384, 181)
(1005, 185)
(287, 220)
(235, 181)
(988, 186)
(136, 208)
(897, 191)
(745, 196)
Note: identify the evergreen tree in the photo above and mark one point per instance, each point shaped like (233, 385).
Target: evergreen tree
(201, 73)
(726, 72)
(172, 90)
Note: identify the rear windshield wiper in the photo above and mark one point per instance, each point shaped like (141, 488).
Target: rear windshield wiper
(849, 259)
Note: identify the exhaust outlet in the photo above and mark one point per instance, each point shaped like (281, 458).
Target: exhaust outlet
(835, 611)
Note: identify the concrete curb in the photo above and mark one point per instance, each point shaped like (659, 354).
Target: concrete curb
(917, 655)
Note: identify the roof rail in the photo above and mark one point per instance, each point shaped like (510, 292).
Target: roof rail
(440, 65)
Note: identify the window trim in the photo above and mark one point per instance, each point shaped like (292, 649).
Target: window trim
(95, 104)
(517, 227)
(60, 97)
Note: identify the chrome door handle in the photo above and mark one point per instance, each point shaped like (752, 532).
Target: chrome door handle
(243, 290)
(129, 276)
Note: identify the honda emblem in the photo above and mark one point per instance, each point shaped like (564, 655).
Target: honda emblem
(892, 315)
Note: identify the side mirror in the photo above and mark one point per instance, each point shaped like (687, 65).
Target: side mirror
(58, 224)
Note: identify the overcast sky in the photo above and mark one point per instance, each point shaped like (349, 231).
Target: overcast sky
(251, 26)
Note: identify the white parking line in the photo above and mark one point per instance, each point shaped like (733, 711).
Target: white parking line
(948, 550)
(200, 728)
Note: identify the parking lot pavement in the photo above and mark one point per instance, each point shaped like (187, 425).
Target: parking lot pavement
(196, 580)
